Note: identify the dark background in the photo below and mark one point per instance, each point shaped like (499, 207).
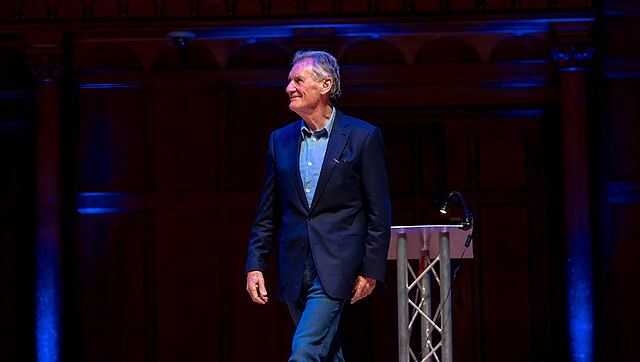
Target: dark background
(132, 167)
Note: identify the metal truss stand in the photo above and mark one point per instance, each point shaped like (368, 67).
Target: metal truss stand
(422, 242)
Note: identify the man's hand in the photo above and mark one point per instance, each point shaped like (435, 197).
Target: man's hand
(363, 287)
(255, 287)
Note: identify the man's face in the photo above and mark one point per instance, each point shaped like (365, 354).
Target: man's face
(305, 92)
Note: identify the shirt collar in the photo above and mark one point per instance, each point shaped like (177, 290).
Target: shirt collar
(305, 130)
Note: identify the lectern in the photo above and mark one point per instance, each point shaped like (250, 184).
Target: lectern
(432, 245)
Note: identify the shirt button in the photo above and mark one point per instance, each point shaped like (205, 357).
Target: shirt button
(309, 163)
(314, 139)
(307, 190)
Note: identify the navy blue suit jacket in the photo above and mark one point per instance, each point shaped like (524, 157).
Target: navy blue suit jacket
(348, 222)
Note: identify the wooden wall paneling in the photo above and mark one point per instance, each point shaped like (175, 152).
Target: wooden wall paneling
(245, 7)
(370, 51)
(503, 163)
(353, 6)
(385, 329)
(179, 8)
(106, 57)
(258, 53)
(311, 7)
(506, 173)
(423, 136)
(619, 156)
(114, 152)
(624, 112)
(256, 106)
(378, 341)
(528, 47)
(140, 9)
(366, 327)
(17, 224)
(619, 298)
(208, 152)
(462, 5)
(189, 271)
(448, 49)
(415, 151)
(465, 315)
(617, 23)
(545, 244)
(422, 167)
(112, 255)
(255, 332)
(238, 9)
(505, 271)
(282, 7)
(427, 5)
(255, 112)
(433, 162)
(501, 4)
(17, 203)
(186, 142)
(458, 159)
(403, 146)
(105, 9)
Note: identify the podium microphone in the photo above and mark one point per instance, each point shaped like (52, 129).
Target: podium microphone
(468, 219)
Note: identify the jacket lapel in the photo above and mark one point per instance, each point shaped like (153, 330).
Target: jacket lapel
(292, 149)
(337, 141)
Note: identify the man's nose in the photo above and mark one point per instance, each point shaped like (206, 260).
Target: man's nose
(290, 88)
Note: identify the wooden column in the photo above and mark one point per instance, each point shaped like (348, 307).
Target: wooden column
(572, 54)
(46, 59)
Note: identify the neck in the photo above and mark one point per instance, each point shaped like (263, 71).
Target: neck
(318, 118)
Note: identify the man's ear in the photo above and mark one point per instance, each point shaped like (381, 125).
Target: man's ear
(326, 85)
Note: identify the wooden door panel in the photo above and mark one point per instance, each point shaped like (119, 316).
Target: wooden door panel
(112, 284)
(113, 143)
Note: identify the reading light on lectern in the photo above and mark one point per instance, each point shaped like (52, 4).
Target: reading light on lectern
(443, 209)
(468, 219)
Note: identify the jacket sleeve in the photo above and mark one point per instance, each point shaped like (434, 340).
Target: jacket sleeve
(377, 206)
(267, 222)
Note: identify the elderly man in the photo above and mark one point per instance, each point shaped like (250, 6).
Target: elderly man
(326, 189)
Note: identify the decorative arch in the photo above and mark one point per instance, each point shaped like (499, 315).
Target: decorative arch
(140, 8)
(521, 48)
(101, 9)
(372, 51)
(258, 54)
(110, 57)
(189, 56)
(70, 9)
(448, 49)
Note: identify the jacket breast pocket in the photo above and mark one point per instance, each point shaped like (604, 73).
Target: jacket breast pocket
(345, 166)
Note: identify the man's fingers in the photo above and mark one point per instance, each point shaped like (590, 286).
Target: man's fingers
(256, 287)
(362, 288)
(358, 290)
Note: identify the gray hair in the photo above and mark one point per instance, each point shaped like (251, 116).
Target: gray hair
(324, 66)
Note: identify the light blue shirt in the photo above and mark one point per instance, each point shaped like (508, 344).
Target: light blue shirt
(312, 150)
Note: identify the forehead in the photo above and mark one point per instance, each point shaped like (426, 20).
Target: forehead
(301, 68)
